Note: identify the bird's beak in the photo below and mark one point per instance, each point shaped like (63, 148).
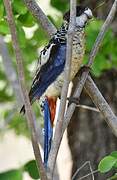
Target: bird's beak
(88, 13)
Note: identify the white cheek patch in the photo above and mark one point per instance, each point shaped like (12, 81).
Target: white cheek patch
(44, 56)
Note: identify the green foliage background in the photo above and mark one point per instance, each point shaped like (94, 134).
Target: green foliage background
(30, 44)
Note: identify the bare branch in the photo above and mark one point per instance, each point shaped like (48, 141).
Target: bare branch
(88, 108)
(70, 110)
(92, 175)
(40, 16)
(83, 177)
(29, 114)
(59, 124)
(101, 104)
(79, 169)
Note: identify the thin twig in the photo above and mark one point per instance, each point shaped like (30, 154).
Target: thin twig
(71, 108)
(88, 108)
(40, 16)
(29, 114)
(59, 124)
(91, 170)
(101, 104)
(83, 177)
(77, 171)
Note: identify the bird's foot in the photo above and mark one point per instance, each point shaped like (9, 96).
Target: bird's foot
(84, 68)
(74, 100)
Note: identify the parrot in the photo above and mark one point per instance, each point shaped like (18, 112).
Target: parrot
(49, 77)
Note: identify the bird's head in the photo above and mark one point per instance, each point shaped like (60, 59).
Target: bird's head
(83, 14)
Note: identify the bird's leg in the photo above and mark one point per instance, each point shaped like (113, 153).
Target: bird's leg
(84, 68)
(71, 100)
(74, 100)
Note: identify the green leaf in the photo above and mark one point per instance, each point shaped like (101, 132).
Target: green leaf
(18, 123)
(19, 7)
(114, 154)
(5, 97)
(4, 29)
(106, 164)
(12, 174)
(40, 36)
(29, 53)
(21, 36)
(31, 168)
(1, 9)
(60, 4)
(27, 19)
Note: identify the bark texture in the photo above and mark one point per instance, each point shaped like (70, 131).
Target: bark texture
(89, 136)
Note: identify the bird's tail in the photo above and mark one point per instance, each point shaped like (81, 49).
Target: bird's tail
(52, 107)
(49, 109)
(49, 116)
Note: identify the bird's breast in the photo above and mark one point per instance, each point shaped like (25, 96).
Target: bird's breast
(77, 52)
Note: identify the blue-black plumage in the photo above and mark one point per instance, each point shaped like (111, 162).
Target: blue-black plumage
(49, 72)
(48, 131)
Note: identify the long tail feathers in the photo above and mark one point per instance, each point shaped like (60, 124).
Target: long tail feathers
(49, 108)
(49, 115)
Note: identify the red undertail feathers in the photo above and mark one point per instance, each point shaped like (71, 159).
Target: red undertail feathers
(52, 107)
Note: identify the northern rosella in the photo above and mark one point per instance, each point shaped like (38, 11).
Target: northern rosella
(49, 77)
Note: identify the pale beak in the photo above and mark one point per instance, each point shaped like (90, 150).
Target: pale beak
(88, 13)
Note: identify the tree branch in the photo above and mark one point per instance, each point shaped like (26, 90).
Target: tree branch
(40, 16)
(29, 114)
(59, 124)
(71, 108)
(87, 108)
(101, 104)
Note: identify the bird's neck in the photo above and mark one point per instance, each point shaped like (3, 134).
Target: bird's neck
(61, 34)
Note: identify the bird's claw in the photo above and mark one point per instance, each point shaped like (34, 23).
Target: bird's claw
(74, 100)
(85, 68)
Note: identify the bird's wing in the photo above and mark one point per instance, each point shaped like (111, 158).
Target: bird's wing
(44, 57)
(49, 71)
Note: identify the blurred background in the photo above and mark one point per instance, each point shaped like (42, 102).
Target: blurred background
(88, 137)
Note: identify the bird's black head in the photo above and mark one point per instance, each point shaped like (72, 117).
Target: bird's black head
(79, 11)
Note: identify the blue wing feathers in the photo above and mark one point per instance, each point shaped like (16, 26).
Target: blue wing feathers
(49, 72)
